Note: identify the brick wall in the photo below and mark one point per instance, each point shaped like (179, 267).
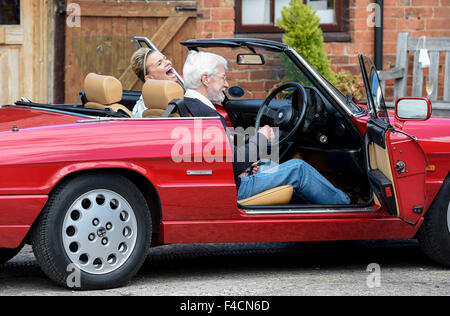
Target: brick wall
(216, 18)
(429, 18)
(418, 17)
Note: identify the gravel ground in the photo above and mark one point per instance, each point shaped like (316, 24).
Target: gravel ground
(265, 269)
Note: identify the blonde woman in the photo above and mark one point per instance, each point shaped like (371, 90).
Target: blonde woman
(150, 64)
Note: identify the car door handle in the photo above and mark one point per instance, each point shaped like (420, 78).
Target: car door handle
(199, 172)
(400, 166)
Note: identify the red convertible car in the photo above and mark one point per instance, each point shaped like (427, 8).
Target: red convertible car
(91, 187)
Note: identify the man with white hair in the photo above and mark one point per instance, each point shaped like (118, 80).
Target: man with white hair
(205, 80)
(206, 83)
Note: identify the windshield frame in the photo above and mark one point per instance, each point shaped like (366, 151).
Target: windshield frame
(374, 92)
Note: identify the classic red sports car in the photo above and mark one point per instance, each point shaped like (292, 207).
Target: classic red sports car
(91, 187)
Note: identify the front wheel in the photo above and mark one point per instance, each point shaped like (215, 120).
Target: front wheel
(94, 232)
(434, 235)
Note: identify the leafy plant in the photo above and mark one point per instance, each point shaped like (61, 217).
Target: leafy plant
(348, 83)
(302, 32)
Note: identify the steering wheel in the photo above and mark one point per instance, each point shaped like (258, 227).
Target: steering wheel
(286, 119)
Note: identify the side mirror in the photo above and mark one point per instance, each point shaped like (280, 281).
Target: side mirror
(250, 59)
(418, 109)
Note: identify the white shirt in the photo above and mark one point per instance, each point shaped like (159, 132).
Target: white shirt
(197, 95)
(139, 108)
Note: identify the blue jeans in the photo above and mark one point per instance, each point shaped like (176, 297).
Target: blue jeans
(309, 185)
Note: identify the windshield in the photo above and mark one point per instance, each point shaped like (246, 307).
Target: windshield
(349, 105)
(279, 67)
(258, 80)
(374, 93)
(348, 101)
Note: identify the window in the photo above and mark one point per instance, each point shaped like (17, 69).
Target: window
(9, 12)
(260, 16)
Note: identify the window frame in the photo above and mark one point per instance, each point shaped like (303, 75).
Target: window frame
(333, 32)
(17, 8)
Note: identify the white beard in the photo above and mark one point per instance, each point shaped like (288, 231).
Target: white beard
(216, 97)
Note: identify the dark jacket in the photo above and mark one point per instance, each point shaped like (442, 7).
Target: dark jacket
(199, 109)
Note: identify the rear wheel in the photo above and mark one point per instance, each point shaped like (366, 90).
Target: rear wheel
(94, 232)
(434, 235)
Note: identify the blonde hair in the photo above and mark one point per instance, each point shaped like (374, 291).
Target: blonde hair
(139, 62)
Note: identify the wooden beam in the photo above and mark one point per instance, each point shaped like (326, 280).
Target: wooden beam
(34, 16)
(447, 78)
(2, 36)
(393, 73)
(417, 85)
(136, 9)
(430, 43)
(434, 74)
(403, 62)
(11, 35)
(167, 31)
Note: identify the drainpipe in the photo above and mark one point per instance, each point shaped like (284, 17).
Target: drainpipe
(379, 25)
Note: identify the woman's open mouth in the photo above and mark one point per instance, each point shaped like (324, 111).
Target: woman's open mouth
(170, 73)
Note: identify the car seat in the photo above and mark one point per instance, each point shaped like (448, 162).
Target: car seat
(162, 98)
(104, 93)
(281, 195)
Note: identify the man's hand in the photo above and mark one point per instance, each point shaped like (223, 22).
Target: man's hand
(268, 132)
(255, 169)
(243, 174)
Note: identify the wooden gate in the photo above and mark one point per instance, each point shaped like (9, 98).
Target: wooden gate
(102, 41)
(24, 55)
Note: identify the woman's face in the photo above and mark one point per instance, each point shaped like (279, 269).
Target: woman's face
(160, 68)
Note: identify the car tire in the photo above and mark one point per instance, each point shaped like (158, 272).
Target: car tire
(434, 234)
(94, 232)
(8, 254)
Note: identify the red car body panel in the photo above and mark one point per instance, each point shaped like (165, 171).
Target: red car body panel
(195, 209)
(17, 213)
(433, 136)
(28, 171)
(292, 228)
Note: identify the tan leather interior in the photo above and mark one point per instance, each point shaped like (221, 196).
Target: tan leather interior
(119, 107)
(157, 94)
(157, 112)
(281, 195)
(102, 89)
(297, 156)
(379, 159)
(104, 92)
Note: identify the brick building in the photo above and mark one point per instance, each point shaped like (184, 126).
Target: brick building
(57, 43)
(349, 27)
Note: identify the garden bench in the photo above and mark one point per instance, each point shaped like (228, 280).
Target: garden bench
(436, 47)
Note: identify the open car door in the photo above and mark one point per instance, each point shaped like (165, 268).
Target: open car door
(396, 164)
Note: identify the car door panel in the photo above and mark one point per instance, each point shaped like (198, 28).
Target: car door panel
(408, 165)
(378, 168)
(396, 164)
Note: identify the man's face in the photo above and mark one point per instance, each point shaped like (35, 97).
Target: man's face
(217, 86)
(160, 68)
